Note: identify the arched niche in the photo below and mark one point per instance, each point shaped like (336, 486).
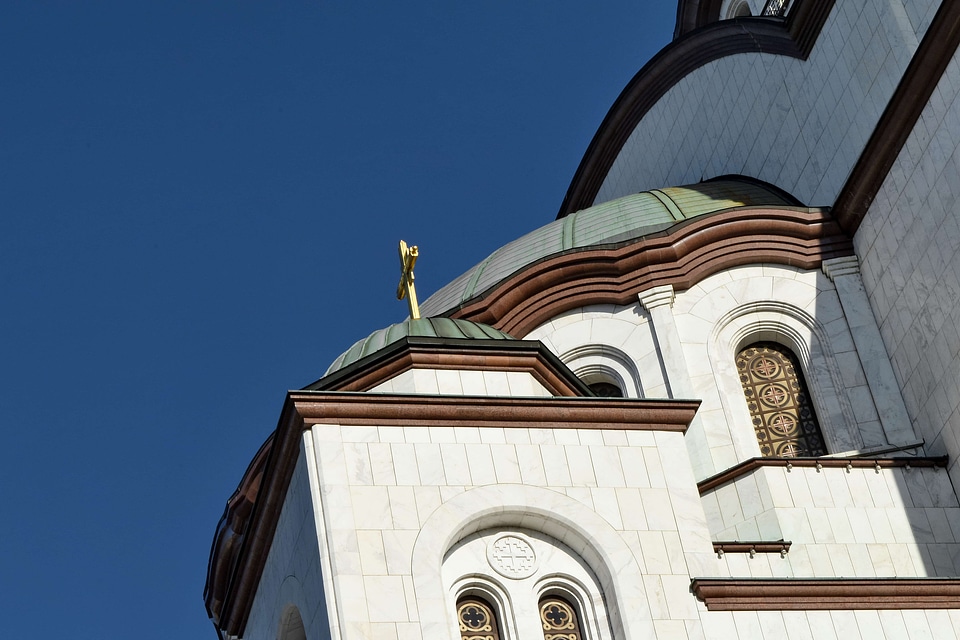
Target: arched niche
(564, 519)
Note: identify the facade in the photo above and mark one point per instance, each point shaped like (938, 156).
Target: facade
(717, 397)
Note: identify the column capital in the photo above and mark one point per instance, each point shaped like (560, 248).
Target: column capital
(845, 266)
(657, 297)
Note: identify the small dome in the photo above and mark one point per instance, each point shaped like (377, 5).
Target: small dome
(422, 327)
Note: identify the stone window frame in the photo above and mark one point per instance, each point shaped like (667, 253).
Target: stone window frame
(510, 600)
(597, 362)
(801, 333)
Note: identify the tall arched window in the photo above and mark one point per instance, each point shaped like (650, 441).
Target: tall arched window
(779, 403)
(477, 619)
(559, 619)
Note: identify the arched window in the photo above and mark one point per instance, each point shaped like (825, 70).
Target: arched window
(559, 619)
(739, 9)
(477, 619)
(779, 403)
(606, 389)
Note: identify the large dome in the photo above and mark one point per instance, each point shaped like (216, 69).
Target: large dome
(616, 221)
(421, 327)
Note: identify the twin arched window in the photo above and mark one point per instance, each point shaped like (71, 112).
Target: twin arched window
(478, 621)
(780, 409)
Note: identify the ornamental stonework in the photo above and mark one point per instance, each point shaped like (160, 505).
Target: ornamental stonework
(512, 557)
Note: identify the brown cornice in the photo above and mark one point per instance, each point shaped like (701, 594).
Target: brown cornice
(808, 594)
(748, 466)
(793, 37)
(681, 256)
(721, 547)
(900, 116)
(305, 408)
(392, 410)
(414, 352)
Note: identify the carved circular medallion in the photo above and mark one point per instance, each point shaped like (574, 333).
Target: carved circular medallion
(512, 557)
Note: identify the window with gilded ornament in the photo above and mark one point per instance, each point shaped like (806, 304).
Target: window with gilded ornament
(559, 619)
(477, 619)
(780, 408)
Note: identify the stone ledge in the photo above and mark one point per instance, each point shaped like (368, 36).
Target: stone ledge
(806, 594)
(748, 466)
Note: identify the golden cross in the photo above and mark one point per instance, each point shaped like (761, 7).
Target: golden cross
(408, 258)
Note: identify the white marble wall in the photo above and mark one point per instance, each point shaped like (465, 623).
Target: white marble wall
(798, 124)
(814, 625)
(856, 523)
(292, 573)
(909, 246)
(381, 485)
(456, 382)
(726, 311)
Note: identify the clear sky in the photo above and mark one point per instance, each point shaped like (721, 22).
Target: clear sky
(200, 207)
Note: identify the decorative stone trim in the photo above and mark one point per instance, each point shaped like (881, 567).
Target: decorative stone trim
(657, 297)
(752, 547)
(837, 267)
(748, 466)
(809, 594)
(682, 256)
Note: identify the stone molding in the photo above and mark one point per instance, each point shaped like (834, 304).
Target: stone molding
(413, 352)
(837, 267)
(681, 256)
(657, 297)
(749, 466)
(392, 410)
(810, 594)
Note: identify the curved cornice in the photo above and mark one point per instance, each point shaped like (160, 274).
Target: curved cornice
(695, 13)
(793, 36)
(681, 256)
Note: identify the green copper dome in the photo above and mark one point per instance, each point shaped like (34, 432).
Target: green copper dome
(422, 327)
(618, 221)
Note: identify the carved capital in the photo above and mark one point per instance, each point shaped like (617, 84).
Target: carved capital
(845, 266)
(657, 297)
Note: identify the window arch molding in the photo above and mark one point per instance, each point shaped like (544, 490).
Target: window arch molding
(595, 541)
(494, 594)
(594, 363)
(801, 333)
(577, 595)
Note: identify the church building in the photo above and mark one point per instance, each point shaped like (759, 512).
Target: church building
(717, 397)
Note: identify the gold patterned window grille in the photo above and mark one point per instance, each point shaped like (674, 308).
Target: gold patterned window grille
(780, 407)
(559, 619)
(477, 620)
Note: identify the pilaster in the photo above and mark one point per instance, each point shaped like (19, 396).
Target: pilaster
(845, 274)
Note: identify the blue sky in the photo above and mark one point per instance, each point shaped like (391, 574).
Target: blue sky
(200, 204)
